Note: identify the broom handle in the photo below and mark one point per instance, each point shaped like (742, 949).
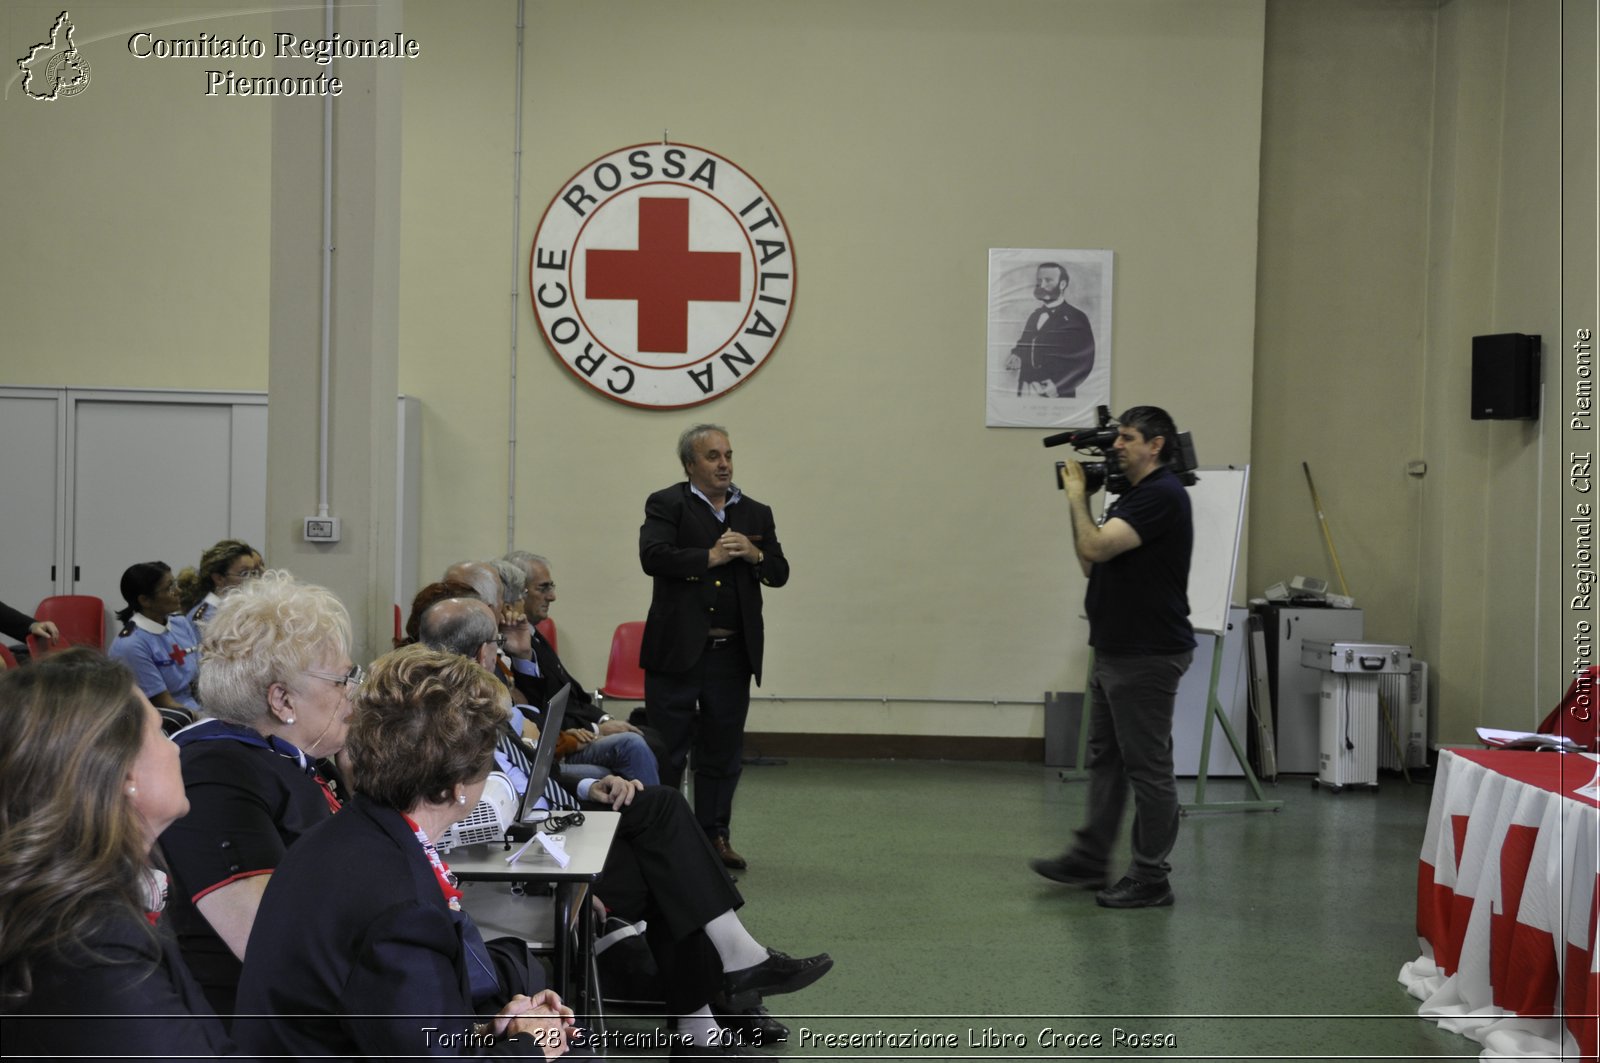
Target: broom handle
(1338, 569)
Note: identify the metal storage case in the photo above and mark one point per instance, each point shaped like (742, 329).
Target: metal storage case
(1361, 658)
(1349, 707)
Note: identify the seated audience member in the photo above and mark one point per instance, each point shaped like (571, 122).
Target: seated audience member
(222, 568)
(157, 643)
(382, 958)
(18, 625)
(278, 678)
(582, 747)
(548, 675)
(88, 966)
(661, 869)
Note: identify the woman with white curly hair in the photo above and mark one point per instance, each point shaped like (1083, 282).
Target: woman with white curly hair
(279, 681)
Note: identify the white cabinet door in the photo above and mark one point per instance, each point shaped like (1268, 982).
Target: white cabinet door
(155, 481)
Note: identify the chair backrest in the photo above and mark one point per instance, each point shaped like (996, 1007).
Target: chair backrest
(81, 619)
(547, 628)
(624, 677)
(7, 658)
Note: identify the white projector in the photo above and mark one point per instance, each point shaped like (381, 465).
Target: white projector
(488, 822)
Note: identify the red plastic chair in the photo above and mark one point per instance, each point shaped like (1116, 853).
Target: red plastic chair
(7, 658)
(547, 628)
(81, 619)
(624, 677)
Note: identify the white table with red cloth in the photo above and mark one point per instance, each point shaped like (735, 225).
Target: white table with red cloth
(1508, 897)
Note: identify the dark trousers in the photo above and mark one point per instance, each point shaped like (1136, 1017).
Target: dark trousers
(662, 869)
(1131, 701)
(704, 707)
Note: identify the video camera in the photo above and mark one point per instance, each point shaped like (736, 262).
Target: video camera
(1100, 441)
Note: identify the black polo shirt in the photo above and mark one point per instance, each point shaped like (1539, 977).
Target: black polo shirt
(1138, 602)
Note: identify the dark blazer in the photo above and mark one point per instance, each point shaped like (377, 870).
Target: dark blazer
(356, 953)
(553, 675)
(125, 994)
(1060, 349)
(14, 623)
(674, 542)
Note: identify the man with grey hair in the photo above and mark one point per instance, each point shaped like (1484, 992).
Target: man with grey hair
(710, 549)
(542, 675)
(586, 748)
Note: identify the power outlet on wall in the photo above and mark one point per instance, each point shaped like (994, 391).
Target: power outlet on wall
(322, 529)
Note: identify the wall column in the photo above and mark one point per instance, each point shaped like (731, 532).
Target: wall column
(364, 376)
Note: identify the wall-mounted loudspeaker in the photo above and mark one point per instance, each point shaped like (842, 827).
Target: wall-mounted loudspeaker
(1505, 377)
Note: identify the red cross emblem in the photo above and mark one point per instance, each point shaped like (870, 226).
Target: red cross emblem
(662, 275)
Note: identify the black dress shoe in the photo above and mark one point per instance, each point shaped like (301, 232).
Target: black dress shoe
(752, 1026)
(778, 973)
(1069, 872)
(730, 859)
(1131, 893)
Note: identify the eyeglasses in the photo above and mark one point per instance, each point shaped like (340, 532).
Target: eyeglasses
(499, 642)
(351, 680)
(544, 588)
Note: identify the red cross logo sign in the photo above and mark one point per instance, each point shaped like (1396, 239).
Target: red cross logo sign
(662, 275)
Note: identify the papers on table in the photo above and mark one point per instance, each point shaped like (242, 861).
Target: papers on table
(1498, 739)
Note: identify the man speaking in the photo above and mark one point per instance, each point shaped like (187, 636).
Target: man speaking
(709, 548)
(1137, 561)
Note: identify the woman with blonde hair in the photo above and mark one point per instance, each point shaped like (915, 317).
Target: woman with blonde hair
(88, 966)
(222, 568)
(279, 681)
(382, 952)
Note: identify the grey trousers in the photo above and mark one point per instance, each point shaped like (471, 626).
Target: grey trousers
(1131, 702)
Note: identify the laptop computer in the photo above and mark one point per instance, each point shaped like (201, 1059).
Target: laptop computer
(544, 757)
(506, 794)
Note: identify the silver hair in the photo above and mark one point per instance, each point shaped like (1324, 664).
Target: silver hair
(513, 580)
(691, 436)
(267, 631)
(523, 558)
(459, 630)
(480, 576)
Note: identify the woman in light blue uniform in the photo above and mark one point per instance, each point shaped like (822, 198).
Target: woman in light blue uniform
(157, 643)
(222, 568)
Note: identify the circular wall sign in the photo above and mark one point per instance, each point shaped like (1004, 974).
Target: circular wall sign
(662, 275)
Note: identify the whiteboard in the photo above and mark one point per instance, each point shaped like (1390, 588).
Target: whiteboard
(1217, 504)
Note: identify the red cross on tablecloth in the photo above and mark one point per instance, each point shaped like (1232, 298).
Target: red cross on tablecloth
(663, 276)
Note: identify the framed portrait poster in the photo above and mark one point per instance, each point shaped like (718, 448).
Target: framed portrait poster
(1048, 359)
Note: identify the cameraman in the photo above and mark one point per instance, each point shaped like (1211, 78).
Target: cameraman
(1137, 562)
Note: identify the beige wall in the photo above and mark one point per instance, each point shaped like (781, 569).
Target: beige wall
(1399, 158)
(901, 140)
(135, 214)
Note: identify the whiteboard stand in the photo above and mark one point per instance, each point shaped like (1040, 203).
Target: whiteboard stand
(1218, 503)
(1214, 713)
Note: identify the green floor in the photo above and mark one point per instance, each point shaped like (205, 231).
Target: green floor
(1287, 935)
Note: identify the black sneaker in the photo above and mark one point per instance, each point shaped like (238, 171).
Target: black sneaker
(1131, 893)
(1069, 872)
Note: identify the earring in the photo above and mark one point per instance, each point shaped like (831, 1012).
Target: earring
(461, 799)
(132, 790)
(289, 720)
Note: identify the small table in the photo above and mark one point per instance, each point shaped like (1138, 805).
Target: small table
(588, 845)
(1507, 894)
